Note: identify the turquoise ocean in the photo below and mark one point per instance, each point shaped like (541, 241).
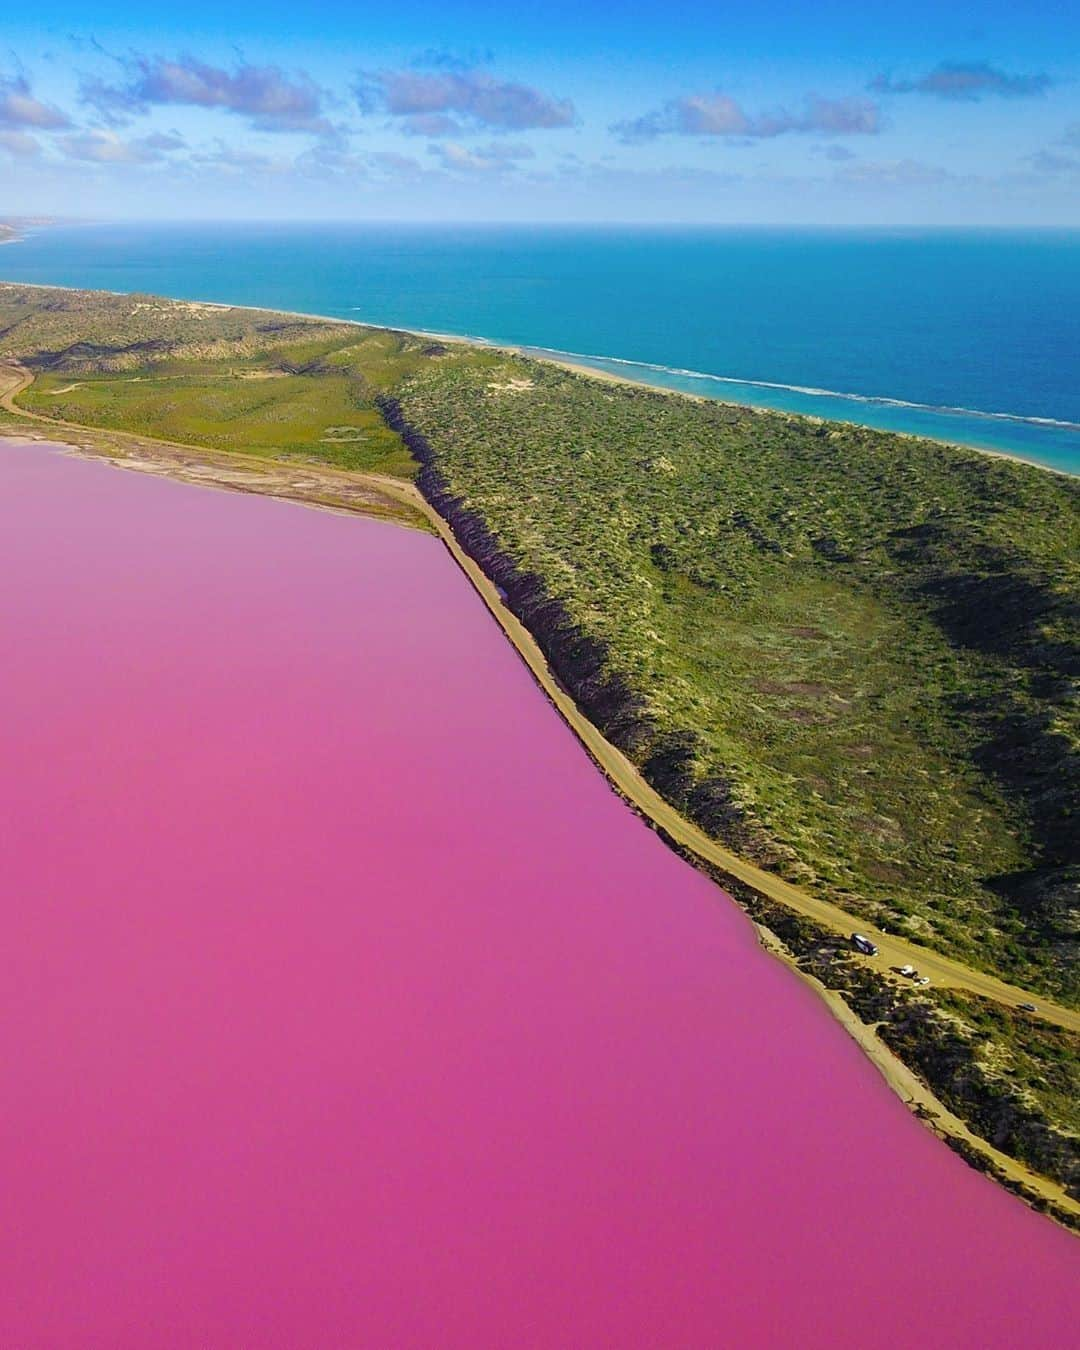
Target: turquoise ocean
(964, 335)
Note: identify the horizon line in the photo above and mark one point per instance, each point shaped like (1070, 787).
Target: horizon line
(43, 220)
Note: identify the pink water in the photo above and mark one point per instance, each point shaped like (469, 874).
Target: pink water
(343, 1005)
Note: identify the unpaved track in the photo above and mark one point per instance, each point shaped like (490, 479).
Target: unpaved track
(892, 951)
(13, 380)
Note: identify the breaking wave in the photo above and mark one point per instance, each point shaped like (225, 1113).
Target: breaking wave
(808, 390)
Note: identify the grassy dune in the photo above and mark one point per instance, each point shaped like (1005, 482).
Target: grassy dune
(282, 414)
(223, 379)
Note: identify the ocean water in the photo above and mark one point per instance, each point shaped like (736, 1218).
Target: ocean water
(348, 1007)
(965, 335)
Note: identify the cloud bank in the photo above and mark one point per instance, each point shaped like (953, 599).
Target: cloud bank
(20, 110)
(447, 103)
(266, 96)
(106, 147)
(19, 145)
(498, 157)
(966, 82)
(719, 114)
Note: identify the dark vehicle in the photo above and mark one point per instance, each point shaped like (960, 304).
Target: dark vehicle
(1027, 1007)
(863, 944)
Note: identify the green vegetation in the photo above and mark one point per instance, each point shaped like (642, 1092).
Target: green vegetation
(845, 652)
(851, 656)
(1027, 1062)
(204, 375)
(280, 413)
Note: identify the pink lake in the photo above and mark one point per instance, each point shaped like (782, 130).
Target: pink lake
(345, 1006)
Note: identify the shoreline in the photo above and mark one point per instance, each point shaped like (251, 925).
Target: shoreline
(579, 366)
(321, 487)
(314, 485)
(371, 494)
(1031, 1187)
(1036, 1190)
(566, 361)
(565, 1037)
(274, 474)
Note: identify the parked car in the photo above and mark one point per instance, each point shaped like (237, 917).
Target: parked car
(863, 944)
(908, 972)
(923, 979)
(1027, 1007)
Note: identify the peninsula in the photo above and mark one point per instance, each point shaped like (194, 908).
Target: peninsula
(836, 667)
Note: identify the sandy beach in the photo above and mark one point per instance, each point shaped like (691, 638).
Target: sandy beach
(568, 363)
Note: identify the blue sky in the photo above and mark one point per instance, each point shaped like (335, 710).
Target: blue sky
(830, 113)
